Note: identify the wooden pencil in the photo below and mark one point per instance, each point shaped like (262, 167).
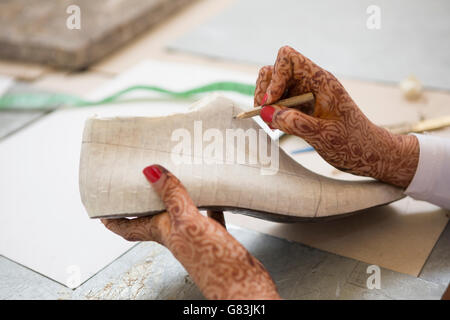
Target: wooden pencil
(289, 102)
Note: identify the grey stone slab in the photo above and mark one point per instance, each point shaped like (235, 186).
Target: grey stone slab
(413, 38)
(18, 282)
(297, 270)
(11, 121)
(14, 119)
(343, 291)
(36, 31)
(437, 267)
(325, 280)
(149, 271)
(301, 272)
(395, 285)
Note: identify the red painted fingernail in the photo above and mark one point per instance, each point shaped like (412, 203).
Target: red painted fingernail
(152, 173)
(264, 99)
(267, 113)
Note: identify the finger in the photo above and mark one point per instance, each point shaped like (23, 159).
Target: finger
(218, 216)
(264, 78)
(290, 68)
(175, 197)
(291, 121)
(282, 73)
(138, 229)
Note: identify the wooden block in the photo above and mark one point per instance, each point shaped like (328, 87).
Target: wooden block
(37, 32)
(20, 70)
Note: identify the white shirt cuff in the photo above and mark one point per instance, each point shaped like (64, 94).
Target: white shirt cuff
(431, 181)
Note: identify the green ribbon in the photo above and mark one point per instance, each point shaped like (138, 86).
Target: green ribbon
(52, 100)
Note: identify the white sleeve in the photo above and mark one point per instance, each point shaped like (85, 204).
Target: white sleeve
(432, 179)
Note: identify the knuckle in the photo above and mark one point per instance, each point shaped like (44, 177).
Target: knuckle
(285, 50)
(131, 237)
(263, 72)
(110, 225)
(174, 190)
(264, 69)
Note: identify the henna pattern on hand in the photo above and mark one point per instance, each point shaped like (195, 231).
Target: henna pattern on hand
(263, 81)
(336, 128)
(140, 229)
(220, 266)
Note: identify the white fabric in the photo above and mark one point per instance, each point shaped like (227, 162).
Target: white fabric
(432, 179)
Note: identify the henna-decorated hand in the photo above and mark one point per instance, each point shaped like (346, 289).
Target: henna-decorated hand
(334, 125)
(220, 266)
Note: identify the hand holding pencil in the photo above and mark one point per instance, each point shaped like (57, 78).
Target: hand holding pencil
(334, 126)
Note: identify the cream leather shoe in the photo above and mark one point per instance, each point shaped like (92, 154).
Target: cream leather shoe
(225, 164)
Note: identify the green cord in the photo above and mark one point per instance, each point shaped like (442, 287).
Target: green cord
(51, 100)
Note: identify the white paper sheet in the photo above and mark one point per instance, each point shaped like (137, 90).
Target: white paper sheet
(43, 225)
